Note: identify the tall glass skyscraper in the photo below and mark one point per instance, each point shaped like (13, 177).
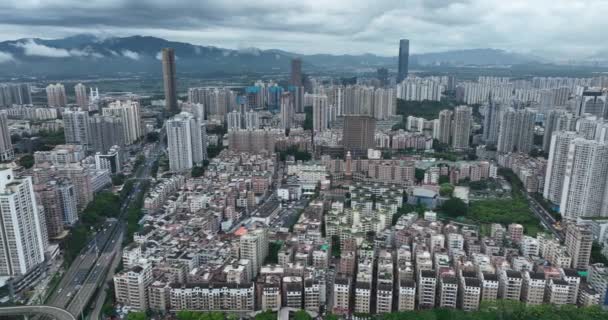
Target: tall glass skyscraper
(404, 57)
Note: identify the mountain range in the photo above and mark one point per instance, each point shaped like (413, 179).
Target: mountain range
(87, 55)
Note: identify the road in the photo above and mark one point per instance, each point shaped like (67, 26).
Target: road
(89, 270)
(545, 217)
(53, 312)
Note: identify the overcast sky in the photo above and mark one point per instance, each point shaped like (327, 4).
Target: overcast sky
(560, 29)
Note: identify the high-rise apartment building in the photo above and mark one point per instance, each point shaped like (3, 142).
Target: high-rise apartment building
(516, 131)
(76, 127)
(49, 197)
(15, 93)
(297, 95)
(579, 240)
(491, 122)
(320, 113)
(169, 83)
(296, 72)
(463, 120)
(404, 59)
(252, 120)
(110, 161)
(254, 247)
(23, 243)
(129, 113)
(287, 110)
(105, 132)
(184, 142)
(216, 101)
(358, 133)
(81, 179)
(6, 146)
(557, 120)
(445, 126)
(384, 103)
(233, 121)
(583, 192)
(55, 95)
(82, 99)
(556, 167)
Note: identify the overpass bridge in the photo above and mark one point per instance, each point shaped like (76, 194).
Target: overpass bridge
(48, 311)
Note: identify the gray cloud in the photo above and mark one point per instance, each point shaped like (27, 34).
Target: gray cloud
(6, 57)
(542, 27)
(130, 54)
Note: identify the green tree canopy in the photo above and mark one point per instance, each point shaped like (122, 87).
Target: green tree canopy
(446, 190)
(27, 161)
(454, 207)
(302, 315)
(136, 316)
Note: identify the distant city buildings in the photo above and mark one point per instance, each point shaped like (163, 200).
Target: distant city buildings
(6, 146)
(82, 100)
(55, 95)
(15, 94)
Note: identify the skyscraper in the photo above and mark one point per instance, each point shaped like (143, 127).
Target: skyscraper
(169, 80)
(76, 127)
(233, 121)
(583, 193)
(55, 95)
(556, 167)
(445, 126)
(404, 58)
(463, 119)
(128, 112)
(6, 147)
(358, 133)
(296, 72)
(516, 131)
(320, 113)
(287, 110)
(252, 120)
(491, 122)
(557, 120)
(184, 142)
(105, 132)
(22, 244)
(82, 100)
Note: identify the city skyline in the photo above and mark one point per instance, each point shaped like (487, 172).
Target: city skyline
(354, 28)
